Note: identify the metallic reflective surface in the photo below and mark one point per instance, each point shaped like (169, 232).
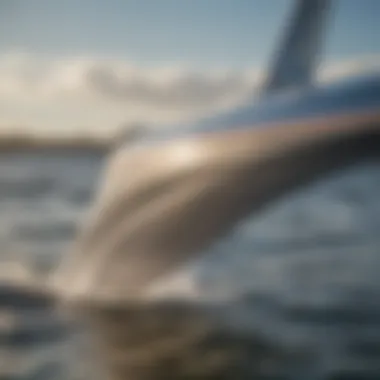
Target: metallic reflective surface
(182, 195)
(348, 96)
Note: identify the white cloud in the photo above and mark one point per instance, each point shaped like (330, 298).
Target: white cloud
(103, 93)
(343, 69)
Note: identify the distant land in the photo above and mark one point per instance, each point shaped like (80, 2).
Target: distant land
(29, 141)
(11, 143)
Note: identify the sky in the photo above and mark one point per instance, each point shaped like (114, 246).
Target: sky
(90, 66)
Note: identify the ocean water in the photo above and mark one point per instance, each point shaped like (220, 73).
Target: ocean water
(44, 197)
(319, 275)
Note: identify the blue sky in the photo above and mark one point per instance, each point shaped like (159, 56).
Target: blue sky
(235, 32)
(78, 36)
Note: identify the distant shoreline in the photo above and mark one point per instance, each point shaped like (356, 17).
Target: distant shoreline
(31, 143)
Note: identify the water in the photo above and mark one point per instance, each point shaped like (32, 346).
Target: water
(319, 276)
(43, 199)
